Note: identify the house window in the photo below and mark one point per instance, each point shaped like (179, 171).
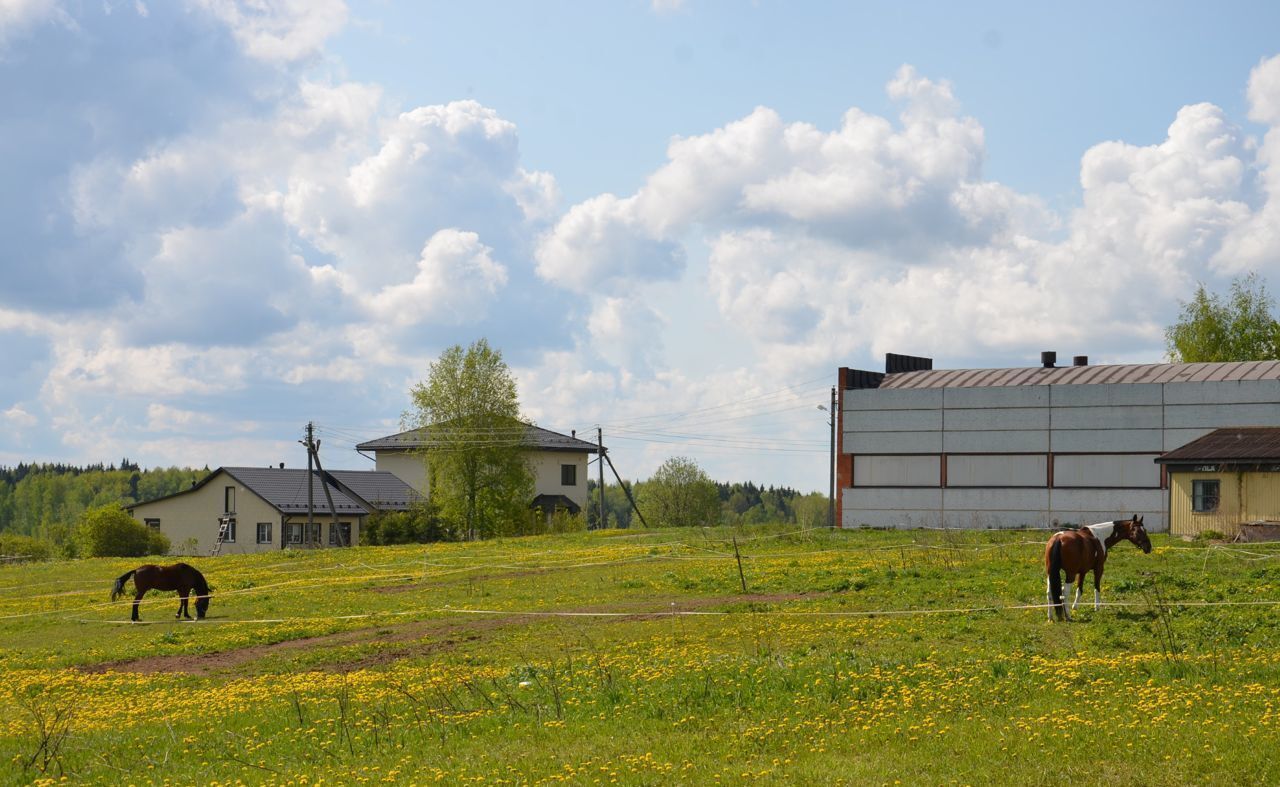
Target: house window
(264, 532)
(1205, 495)
(340, 534)
(295, 533)
(313, 533)
(568, 475)
(229, 500)
(229, 529)
(154, 524)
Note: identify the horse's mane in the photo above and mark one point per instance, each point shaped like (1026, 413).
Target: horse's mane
(201, 586)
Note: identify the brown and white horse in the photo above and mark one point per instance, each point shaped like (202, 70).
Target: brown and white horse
(1078, 552)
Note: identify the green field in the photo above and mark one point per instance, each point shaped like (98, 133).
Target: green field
(635, 657)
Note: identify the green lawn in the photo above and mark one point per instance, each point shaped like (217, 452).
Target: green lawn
(635, 657)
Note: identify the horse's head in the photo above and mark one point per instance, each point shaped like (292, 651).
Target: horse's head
(1135, 532)
(202, 604)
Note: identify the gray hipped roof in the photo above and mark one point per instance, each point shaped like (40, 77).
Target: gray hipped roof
(533, 437)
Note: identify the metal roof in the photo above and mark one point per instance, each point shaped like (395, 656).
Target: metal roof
(286, 490)
(384, 491)
(1234, 444)
(533, 437)
(1086, 375)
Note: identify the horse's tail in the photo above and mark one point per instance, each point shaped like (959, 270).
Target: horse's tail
(118, 589)
(1054, 568)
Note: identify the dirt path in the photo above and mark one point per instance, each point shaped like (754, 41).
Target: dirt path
(417, 638)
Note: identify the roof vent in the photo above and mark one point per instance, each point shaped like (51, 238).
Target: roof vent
(1048, 358)
(282, 465)
(1080, 360)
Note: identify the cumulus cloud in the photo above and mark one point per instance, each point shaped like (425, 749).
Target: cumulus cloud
(456, 281)
(884, 235)
(283, 30)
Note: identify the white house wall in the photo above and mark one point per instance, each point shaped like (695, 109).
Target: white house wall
(997, 444)
(546, 474)
(408, 466)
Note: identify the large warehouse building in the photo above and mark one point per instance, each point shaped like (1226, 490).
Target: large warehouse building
(1030, 447)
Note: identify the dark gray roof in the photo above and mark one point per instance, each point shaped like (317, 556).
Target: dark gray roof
(1085, 375)
(286, 490)
(1234, 444)
(533, 437)
(384, 491)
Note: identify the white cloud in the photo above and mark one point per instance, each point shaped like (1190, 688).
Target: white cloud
(279, 30)
(456, 281)
(18, 418)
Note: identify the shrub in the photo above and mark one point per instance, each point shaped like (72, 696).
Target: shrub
(13, 545)
(421, 524)
(109, 531)
(1209, 535)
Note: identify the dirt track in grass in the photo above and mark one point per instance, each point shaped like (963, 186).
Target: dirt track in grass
(416, 639)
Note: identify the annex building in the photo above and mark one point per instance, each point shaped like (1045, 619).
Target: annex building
(258, 509)
(1033, 446)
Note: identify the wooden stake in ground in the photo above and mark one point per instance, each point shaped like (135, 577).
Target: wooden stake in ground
(742, 577)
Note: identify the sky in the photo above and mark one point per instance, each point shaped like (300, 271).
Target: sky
(676, 219)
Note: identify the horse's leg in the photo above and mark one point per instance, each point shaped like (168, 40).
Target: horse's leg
(1048, 594)
(182, 605)
(1079, 589)
(1097, 588)
(137, 599)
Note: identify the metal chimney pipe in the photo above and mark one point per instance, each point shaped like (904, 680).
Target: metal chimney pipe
(1080, 360)
(1048, 358)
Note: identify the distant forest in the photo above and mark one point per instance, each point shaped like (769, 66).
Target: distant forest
(740, 504)
(45, 500)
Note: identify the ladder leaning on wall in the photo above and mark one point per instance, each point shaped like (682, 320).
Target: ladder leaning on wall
(224, 530)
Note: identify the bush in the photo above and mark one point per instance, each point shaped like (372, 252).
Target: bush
(109, 531)
(421, 524)
(13, 545)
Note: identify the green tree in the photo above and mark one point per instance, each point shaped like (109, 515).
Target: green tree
(1239, 327)
(477, 469)
(680, 494)
(109, 531)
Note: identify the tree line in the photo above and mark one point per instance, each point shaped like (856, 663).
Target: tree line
(44, 501)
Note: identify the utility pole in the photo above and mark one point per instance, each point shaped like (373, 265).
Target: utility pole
(831, 497)
(324, 484)
(600, 463)
(311, 507)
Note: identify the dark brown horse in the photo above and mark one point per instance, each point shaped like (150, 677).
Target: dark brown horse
(180, 577)
(1078, 552)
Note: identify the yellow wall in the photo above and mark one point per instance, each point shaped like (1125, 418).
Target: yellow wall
(546, 474)
(408, 466)
(411, 467)
(194, 515)
(1245, 497)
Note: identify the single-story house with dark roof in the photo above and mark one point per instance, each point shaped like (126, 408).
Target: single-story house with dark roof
(558, 462)
(1228, 478)
(267, 508)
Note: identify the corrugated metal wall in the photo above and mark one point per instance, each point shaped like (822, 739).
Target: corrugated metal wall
(1030, 455)
(1244, 497)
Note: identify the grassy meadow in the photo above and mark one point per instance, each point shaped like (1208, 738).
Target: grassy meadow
(635, 657)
